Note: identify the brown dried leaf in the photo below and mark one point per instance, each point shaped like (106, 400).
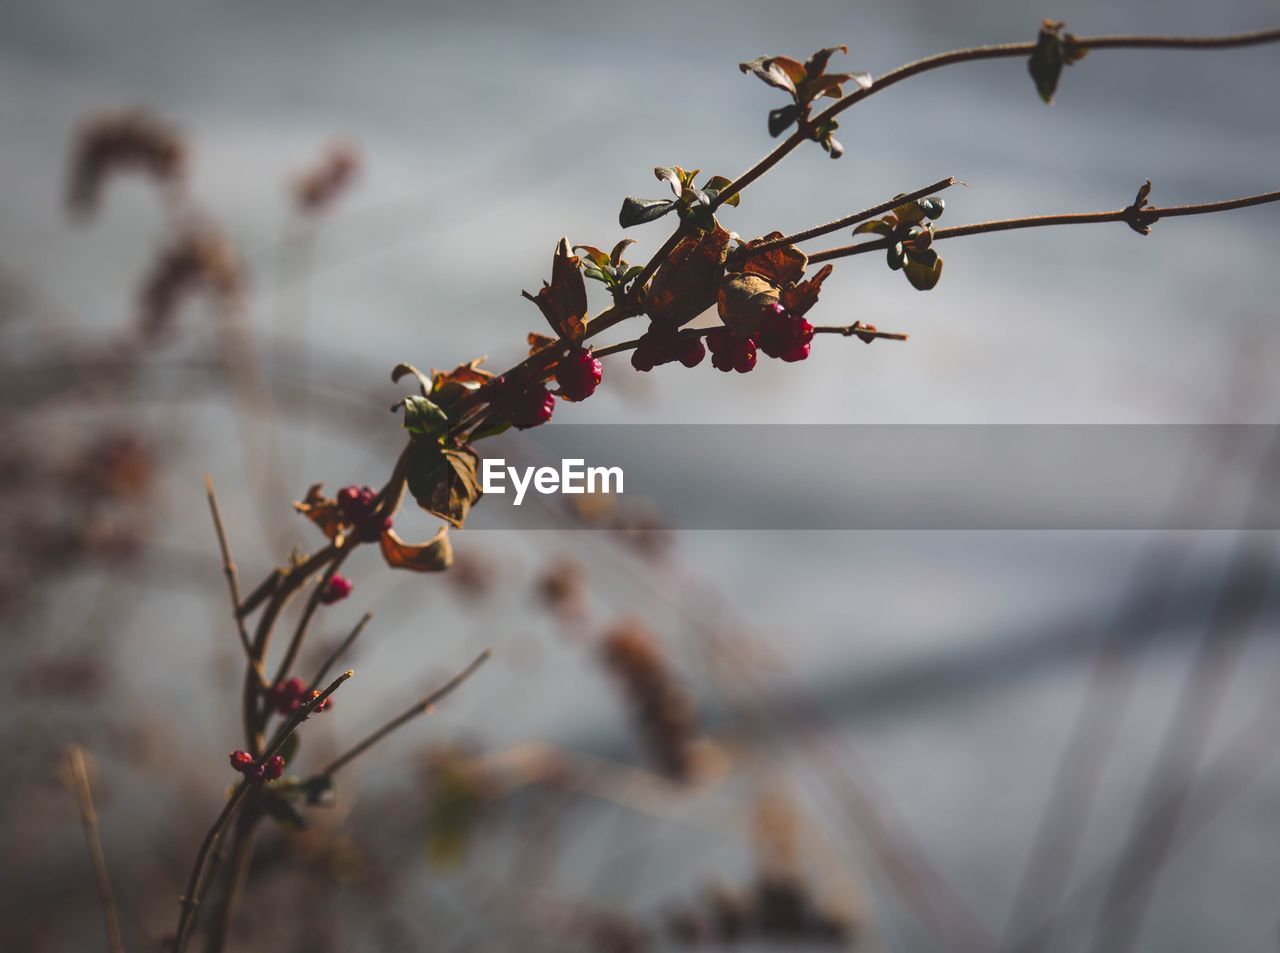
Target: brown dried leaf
(782, 265)
(688, 280)
(448, 386)
(539, 341)
(563, 301)
(444, 480)
(435, 555)
(322, 511)
(800, 298)
(742, 299)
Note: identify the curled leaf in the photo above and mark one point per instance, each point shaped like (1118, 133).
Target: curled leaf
(781, 72)
(563, 301)
(539, 341)
(403, 370)
(742, 299)
(322, 511)
(638, 211)
(435, 555)
(448, 386)
(687, 282)
(799, 298)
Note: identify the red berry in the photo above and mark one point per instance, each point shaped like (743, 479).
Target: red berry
(730, 352)
(273, 769)
(339, 588)
(578, 374)
(533, 406)
(784, 335)
(284, 694)
(692, 351)
(348, 497)
(242, 761)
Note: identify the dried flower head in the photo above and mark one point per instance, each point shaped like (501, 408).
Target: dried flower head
(117, 142)
(661, 708)
(199, 261)
(316, 190)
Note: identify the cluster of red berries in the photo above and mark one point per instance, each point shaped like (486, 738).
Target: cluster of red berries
(781, 334)
(288, 696)
(528, 403)
(359, 506)
(662, 344)
(271, 770)
(525, 405)
(339, 588)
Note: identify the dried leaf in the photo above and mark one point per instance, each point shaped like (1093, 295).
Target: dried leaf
(435, 555)
(686, 283)
(563, 301)
(402, 370)
(444, 480)
(800, 298)
(539, 341)
(778, 71)
(742, 299)
(782, 264)
(448, 386)
(322, 511)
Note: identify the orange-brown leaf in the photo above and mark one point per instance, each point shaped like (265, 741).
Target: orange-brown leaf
(322, 511)
(563, 301)
(448, 386)
(538, 341)
(800, 298)
(783, 265)
(435, 555)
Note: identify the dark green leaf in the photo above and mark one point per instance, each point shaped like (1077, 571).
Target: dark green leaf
(444, 480)
(717, 184)
(1047, 60)
(638, 211)
(422, 417)
(782, 118)
(923, 270)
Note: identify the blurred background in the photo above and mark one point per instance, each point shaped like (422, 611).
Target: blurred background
(914, 740)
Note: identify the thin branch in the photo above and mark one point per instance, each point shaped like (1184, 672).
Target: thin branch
(1129, 215)
(848, 330)
(857, 217)
(420, 708)
(304, 623)
(340, 650)
(196, 880)
(97, 857)
(233, 580)
(972, 54)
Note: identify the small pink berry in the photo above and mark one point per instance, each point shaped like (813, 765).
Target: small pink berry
(242, 761)
(273, 770)
(339, 588)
